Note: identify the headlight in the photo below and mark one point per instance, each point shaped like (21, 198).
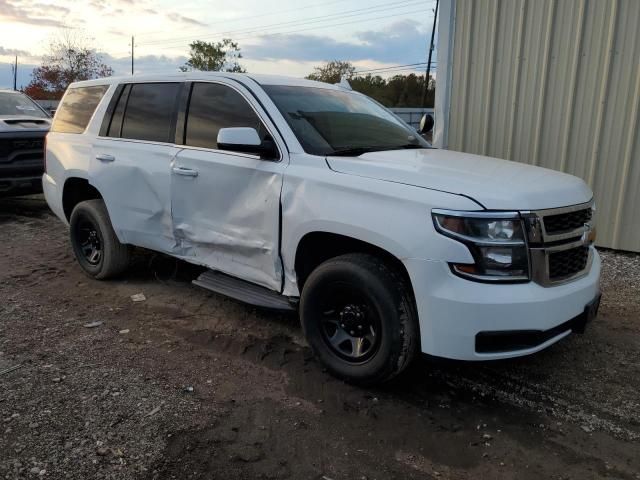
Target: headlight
(496, 242)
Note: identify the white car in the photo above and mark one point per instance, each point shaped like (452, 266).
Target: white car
(302, 195)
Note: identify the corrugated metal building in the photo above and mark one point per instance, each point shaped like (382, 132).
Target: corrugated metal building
(554, 83)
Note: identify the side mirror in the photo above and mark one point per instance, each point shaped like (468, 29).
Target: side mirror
(246, 140)
(426, 123)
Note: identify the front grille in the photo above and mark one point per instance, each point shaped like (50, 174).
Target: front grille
(566, 222)
(560, 243)
(566, 263)
(17, 149)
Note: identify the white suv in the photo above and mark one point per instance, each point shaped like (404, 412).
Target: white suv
(302, 195)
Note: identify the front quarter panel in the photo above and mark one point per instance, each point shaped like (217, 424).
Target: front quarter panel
(391, 216)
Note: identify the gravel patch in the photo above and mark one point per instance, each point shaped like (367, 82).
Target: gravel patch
(620, 280)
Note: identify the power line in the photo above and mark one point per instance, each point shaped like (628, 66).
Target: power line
(279, 12)
(314, 28)
(390, 70)
(293, 23)
(301, 21)
(369, 70)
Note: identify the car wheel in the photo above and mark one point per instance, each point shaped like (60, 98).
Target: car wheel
(359, 318)
(96, 247)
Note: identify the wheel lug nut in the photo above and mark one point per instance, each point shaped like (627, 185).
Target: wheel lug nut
(352, 332)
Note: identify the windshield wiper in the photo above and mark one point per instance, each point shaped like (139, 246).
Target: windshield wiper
(406, 146)
(357, 151)
(352, 151)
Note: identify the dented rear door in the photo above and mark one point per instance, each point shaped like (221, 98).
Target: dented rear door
(134, 180)
(225, 205)
(131, 161)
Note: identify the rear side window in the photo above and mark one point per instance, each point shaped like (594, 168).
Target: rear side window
(113, 127)
(149, 112)
(214, 106)
(76, 109)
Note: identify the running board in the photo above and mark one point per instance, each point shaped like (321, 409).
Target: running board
(243, 291)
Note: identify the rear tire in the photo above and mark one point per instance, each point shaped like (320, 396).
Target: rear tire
(359, 318)
(95, 244)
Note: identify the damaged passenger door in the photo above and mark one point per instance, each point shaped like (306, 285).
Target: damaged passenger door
(225, 205)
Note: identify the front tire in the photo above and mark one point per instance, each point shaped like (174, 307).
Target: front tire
(95, 244)
(359, 318)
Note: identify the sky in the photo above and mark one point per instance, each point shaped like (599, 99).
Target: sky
(285, 37)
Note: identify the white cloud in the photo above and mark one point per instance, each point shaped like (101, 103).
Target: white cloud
(402, 42)
(144, 63)
(32, 13)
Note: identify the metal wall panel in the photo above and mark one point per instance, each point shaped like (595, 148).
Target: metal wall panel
(554, 83)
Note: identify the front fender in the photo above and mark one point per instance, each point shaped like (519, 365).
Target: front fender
(391, 216)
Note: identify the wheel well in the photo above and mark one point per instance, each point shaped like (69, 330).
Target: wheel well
(318, 247)
(77, 190)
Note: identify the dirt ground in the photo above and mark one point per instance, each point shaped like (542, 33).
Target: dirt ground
(188, 384)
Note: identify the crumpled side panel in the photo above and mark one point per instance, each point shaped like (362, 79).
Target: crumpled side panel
(227, 218)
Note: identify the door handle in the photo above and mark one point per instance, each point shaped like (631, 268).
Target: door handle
(187, 172)
(104, 157)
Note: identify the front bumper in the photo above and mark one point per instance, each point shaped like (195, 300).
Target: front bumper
(453, 311)
(15, 186)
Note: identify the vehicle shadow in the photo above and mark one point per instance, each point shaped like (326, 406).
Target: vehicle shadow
(427, 378)
(19, 208)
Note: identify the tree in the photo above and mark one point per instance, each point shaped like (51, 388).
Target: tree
(214, 57)
(332, 72)
(396, 91)
(70, 59)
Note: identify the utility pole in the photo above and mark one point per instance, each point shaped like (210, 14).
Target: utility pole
(426, 76)
(15, 74)
(132, 50)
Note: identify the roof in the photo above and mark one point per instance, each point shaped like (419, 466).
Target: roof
(193, 76)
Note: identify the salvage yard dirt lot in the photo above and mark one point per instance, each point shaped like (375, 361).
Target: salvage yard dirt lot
(189, 384)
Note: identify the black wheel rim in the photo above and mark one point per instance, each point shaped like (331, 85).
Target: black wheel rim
(349, 323)
(89, 241)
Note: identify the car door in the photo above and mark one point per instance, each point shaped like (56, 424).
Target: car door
(226, 205)
(131, 163)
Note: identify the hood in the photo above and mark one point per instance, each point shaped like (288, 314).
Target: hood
(495, 184)
(23, 123)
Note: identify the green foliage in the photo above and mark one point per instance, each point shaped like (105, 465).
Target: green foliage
(332, 72)
(214, 57)
(396, 91)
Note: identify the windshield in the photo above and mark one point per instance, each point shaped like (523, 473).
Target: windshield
(17, 104)
(335, 122)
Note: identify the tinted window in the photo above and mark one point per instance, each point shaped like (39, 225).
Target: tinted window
(150, 111)
(214, 106)
(330, 121)
(76, 109)
(18, 104)
(115, 124)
